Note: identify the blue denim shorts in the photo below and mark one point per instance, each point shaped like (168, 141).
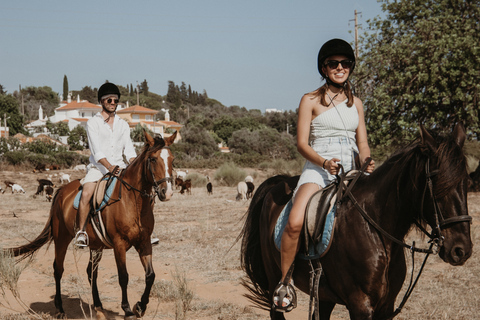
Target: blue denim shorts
(336, 147)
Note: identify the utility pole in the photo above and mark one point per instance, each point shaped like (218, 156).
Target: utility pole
(356, 34)
(21, 94)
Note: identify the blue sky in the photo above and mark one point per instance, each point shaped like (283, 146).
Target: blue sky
(256, 54)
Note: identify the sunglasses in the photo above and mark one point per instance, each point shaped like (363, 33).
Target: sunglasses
(114, 100)
(333, 64)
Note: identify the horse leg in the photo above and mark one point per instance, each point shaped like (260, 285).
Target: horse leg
(92, 273)
(121, 258)
(325, 309)
(141, 306)
(60, 251)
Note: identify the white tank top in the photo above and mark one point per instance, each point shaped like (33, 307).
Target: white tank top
(338, 121)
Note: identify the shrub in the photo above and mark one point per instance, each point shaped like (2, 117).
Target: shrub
(14, 157)
(198, 180)
(229, 174)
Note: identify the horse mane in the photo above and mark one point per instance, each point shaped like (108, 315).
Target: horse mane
(159, 143)
(447, 159)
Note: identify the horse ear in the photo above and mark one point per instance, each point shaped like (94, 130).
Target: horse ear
(170, 140)
(427, 138)
(459, 134)
(148, 138)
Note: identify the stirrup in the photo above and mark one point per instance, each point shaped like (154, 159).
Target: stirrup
(81, 239)
(284, 297)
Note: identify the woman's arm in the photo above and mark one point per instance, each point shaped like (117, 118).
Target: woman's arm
(361, 137)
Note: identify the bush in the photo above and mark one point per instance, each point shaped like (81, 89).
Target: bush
(229, 174)
(14, 157)
(198, 180)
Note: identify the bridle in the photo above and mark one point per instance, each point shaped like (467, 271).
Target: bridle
(436, 237)
(156, 183)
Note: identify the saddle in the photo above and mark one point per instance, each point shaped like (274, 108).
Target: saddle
(320, 216)
(101, 197)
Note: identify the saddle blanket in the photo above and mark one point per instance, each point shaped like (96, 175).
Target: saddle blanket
(106, 198)
(314, 250)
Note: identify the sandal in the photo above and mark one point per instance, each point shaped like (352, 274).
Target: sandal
(284, 297)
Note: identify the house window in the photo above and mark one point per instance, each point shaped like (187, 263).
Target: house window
(148, 117)
(135, 117)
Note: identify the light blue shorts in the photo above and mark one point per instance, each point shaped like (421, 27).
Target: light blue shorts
(336, 147)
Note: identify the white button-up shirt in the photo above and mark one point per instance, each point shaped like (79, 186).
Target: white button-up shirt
(107, 143)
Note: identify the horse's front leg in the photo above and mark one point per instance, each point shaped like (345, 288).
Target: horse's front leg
(141, 306)
(121, 258)
(92, 273)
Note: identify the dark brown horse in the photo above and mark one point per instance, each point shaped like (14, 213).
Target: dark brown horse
(365, 267)
(128, 220)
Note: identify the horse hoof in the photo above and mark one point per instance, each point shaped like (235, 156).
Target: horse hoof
(60, 315)
(138, 311)
(133, 317)
(101, 315)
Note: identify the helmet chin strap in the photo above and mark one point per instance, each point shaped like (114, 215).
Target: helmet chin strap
(110, 114)
(336, 85)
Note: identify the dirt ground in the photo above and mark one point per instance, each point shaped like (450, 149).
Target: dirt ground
(197, 240)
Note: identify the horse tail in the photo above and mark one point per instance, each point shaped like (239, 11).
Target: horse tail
(251, 259)
(28, 250)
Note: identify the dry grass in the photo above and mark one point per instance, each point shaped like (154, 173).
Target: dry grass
(197, 243)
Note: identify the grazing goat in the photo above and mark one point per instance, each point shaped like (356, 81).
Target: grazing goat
(8, 184)
(182, 174)
(80, 167)
(42, 183)
(40, 167)
(49, 193)
(178, 182)
(64, 178)
(250, 188)
(248, 179)
(242, 191)
(17, 188)
(186, 186)
(209, 188)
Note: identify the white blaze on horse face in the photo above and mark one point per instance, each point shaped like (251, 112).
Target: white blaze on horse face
(164, 154)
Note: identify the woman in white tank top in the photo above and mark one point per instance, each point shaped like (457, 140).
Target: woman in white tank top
(330, 130)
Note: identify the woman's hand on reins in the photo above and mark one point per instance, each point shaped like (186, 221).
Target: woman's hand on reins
(331, 166)
(370, 167)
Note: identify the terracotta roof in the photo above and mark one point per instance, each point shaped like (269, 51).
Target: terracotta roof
(137, 109)
(80, 119)
(170, 123)
(74, 105)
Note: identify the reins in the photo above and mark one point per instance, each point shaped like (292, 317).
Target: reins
(436, 239)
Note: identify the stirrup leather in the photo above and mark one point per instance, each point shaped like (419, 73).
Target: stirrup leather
(284, 297)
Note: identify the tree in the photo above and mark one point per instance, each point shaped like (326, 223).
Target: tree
(89, 94)
(78, 140)
(9, 108)
(58, 128)
(65, 87)
(144, 87)
(34, 97)
(420, 64)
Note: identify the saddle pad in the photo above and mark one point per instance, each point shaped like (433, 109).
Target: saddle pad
(106, 198)
(314, 252)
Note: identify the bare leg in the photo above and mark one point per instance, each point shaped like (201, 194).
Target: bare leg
(81, 238)
(291, 235)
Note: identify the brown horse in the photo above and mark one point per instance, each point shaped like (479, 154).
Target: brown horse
(364, 269)
(128, 220)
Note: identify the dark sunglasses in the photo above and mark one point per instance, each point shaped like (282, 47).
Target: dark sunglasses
(114, 100)
(333, 64)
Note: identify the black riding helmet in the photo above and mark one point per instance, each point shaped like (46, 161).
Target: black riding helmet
(335, 47)
(108, 88)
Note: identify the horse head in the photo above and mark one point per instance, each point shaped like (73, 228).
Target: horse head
(444, 203)
(159, 161)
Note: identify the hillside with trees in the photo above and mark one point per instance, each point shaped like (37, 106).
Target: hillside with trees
(418, 64)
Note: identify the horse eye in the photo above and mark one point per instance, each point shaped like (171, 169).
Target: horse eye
(153, 159)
